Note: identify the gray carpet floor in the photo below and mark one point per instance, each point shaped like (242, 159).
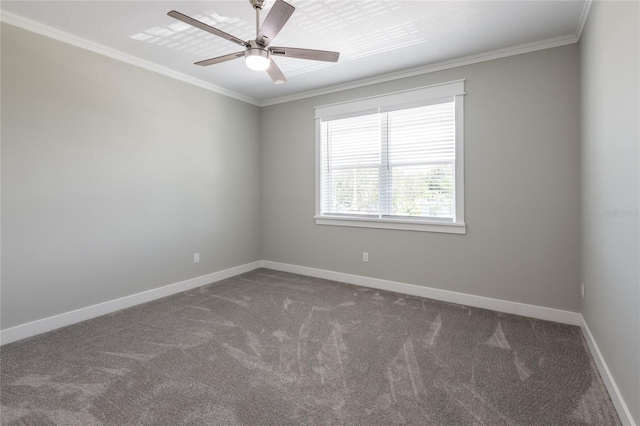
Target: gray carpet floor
(272, 348)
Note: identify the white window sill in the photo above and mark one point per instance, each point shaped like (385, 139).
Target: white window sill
(398, 224)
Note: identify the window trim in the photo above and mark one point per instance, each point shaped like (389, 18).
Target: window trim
(387, 102)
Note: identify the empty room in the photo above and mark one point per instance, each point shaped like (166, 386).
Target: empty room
(333, 212)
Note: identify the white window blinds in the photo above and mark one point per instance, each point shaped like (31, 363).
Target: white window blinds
(421, 162)
(351, 165)
(397, 162)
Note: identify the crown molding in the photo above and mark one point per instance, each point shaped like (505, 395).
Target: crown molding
(65, 37)
(47, 31)
(583, 18)
(439, 66)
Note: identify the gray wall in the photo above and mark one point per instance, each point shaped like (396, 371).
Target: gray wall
(113, 176)
(610, 181)
(522, 189)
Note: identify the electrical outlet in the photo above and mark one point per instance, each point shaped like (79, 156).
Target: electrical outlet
(582, 290)
(365, 256)
(196, 257)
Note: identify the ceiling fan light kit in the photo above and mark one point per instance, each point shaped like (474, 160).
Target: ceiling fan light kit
(257, 57)
(258, 54)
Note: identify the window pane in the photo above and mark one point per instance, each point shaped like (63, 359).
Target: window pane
(425, 190)
(350, 166)
(354, 191)
(421, 153)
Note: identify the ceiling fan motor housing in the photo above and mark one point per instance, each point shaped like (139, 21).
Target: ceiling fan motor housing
(254, 49)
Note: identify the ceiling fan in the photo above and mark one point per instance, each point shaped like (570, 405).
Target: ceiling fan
(259, 53)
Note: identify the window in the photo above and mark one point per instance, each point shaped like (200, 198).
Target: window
(393, 161)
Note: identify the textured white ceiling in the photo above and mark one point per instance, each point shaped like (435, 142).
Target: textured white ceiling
(374, 37)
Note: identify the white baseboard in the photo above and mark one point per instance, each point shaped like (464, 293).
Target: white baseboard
(609, 382)
(573, 318)
(531, 311)
(33, 328)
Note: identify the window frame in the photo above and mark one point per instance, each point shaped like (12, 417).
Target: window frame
(382, 103)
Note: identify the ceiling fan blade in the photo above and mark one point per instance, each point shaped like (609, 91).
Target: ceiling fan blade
(219, 59)
(276, 74)
(208, 28)
(273, 23)
(314, 55)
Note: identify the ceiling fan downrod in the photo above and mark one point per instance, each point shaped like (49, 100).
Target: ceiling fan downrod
(257, 5)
